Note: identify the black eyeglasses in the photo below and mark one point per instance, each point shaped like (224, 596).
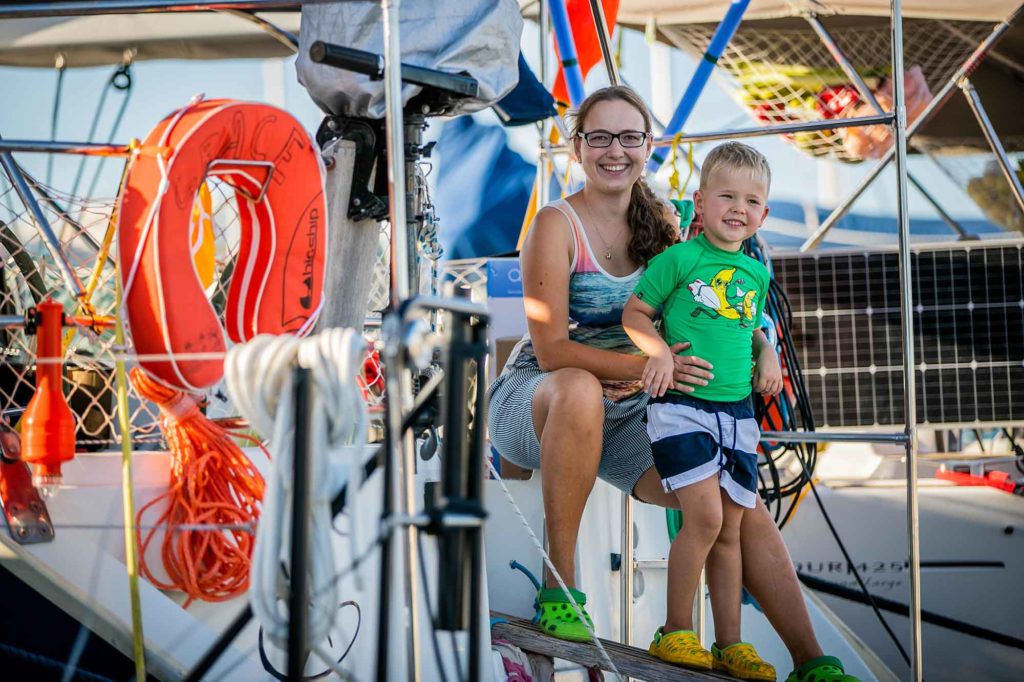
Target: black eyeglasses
(599, 139)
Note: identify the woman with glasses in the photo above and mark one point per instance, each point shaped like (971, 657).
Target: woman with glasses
(570, 402)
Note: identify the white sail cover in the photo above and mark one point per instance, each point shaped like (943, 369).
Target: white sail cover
(480, 37)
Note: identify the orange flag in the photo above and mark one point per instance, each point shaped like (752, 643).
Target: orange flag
(584, 33)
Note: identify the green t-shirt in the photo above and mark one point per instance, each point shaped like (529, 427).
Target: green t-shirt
(712, 298)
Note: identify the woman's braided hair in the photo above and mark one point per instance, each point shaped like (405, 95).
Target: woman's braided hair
(650, 230)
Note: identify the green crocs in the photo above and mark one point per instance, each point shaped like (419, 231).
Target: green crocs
(821, 669)
(558, 618)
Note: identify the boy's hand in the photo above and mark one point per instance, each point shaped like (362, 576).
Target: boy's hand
(657, 376)
(768, 373)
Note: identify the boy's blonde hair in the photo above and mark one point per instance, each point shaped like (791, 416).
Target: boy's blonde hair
(736, 155)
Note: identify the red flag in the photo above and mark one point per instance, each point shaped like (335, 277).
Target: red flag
(584, 33)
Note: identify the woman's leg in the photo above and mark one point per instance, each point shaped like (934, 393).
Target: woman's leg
(702, 508)
(769, 575)
(725, 574)
(767, 571)
(568, 417)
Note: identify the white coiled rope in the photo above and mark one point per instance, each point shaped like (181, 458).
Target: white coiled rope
(260, 379)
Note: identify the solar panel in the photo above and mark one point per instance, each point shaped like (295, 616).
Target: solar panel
(968, 310)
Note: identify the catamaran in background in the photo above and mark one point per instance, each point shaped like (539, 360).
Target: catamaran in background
(811, 84)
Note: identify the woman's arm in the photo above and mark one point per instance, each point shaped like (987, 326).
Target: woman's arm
(545, 260)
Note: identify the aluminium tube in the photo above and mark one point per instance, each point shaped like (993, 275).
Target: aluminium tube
(400, 290)
(907, 323)
(42, 225)
(479, 661)
(391, 604)
(395, 134)
(764, 131)
(15, 10)
(626, 576)
(969, 65)
(974, 101)
(44, 147)
(546, 159)
(832, 437)
(604, 37)
(865, 92)
(946, 218)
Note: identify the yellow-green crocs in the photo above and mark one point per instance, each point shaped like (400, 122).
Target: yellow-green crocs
(821, 669)
(681, 647)
(741, 660)
(558, 618)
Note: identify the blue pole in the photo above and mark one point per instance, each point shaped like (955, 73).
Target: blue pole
(567, 51)
(723, 34)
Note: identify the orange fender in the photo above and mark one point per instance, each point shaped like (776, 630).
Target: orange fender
(277, 283)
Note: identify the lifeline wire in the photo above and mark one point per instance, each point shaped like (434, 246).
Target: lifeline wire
(131, 546)
(551, 567)
(260, 377)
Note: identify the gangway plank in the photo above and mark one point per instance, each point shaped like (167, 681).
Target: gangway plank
(630, 661)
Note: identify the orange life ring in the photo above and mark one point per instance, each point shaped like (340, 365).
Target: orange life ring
(277, 281)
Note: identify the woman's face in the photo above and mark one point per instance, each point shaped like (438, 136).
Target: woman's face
(613, 168)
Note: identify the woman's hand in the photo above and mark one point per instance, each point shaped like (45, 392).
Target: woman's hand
(689, 371)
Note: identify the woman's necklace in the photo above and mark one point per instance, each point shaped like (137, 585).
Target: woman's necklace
(593, 221)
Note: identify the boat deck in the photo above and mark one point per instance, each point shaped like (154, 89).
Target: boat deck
(630, 661)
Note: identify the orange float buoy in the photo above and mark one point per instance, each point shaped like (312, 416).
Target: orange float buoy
(48, 427)
(277, 281)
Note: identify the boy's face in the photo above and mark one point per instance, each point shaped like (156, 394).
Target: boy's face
(733, 205)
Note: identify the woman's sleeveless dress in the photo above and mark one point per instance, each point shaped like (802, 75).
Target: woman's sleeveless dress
(596, 300)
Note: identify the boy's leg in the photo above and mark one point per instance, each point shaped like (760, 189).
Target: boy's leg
(702, 514)
(725, 574)
(767, 572)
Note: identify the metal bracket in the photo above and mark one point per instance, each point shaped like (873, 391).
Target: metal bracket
(27, 517)
(363, 202)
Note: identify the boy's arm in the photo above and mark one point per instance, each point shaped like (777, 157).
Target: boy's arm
(638, 321)
(760, 343)
(767, 370)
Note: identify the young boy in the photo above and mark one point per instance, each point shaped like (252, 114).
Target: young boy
(705, 440)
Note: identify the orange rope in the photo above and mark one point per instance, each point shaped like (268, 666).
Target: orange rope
(212, 482)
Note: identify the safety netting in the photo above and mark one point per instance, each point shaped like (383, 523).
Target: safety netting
(781, 71)
(31, 274)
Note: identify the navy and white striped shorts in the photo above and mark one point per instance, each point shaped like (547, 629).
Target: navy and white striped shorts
(694, 439)
(626, 452)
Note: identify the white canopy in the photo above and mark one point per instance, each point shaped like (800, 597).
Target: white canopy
(97, 40)
(668, 12)
(100, 40)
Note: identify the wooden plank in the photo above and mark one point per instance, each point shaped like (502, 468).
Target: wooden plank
(630, 661)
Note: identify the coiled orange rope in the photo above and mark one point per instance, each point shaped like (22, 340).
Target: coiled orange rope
(212, 482)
